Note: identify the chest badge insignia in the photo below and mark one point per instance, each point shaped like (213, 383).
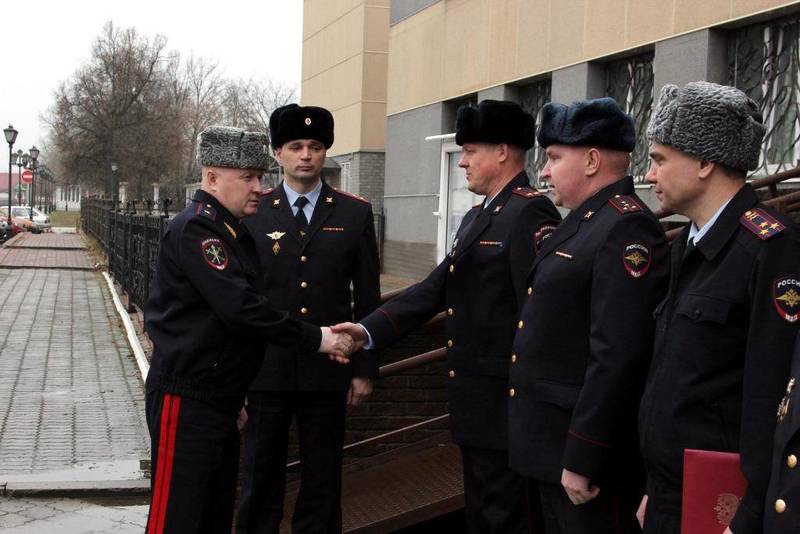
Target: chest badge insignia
(786, 297)
(636, 259)
(275, 236)
(214, 253)
(328, 200)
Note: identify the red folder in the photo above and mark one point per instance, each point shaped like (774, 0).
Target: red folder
(713, 485)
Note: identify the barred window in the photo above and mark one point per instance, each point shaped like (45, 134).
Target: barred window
(629, 81)
(532, 98)
(763, 62)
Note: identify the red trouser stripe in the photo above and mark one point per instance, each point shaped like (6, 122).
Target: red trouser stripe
(166, 453)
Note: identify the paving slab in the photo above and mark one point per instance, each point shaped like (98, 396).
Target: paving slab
(44, 258)
(72, 516)
(71, 396)
(62, 241)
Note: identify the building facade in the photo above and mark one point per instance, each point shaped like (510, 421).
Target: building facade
(445, 53)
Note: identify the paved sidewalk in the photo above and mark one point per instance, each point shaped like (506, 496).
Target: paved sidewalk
(71, 397)
(73, 516)
(52, 240)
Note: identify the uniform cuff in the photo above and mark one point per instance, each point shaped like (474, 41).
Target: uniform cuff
(584, 455)
(311, 338)
(748, 518)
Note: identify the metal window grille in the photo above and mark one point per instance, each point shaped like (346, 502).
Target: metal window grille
(532, 98)
(764, 62)
(629, 81)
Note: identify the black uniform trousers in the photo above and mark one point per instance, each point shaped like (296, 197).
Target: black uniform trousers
(195, 453)
(608, 513)
(494, 494)
(320, 417)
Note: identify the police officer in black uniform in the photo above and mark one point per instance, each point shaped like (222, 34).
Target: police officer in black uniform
(313, 242)
(725, 330)
(209, 322)
(480, 284)
(782, 515)
(584, 335)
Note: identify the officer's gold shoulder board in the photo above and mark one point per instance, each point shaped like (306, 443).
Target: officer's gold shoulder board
(351, 195)
(786, 297)
(526, 192)
(266, 192)
(214, 253)
(636, 259)
(761, 223)
(625, 203)
(206, 211)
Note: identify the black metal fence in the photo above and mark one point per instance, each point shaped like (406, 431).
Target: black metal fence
(130, 239)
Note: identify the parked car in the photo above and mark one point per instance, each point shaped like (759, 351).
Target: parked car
(7, 232)
(41, 220)
(23, 223)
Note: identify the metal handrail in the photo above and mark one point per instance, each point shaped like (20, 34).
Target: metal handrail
(412, 362)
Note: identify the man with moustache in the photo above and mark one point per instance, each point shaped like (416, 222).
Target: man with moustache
(314, 243)
(584, 335)
(480, 284)
(209, 321)
(725, 331)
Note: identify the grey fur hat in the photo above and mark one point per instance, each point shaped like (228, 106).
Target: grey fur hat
(709, 121)
(225, 146)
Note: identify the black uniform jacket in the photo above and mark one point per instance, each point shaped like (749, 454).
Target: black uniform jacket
(724, 338)
(206, 314)
(479, 284)
(584, 342)
(782, 512)
(311, 276)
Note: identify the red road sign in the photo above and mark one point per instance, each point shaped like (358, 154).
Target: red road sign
(27, 177)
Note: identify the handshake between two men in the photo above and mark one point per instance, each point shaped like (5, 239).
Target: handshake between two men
(340, 341)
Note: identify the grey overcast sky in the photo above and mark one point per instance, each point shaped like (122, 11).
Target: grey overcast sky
(45, 41)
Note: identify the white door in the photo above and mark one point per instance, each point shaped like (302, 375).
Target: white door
(455, 200)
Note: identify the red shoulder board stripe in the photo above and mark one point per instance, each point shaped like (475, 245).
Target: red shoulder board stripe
(351, 195)
(526, 192)
(761, 223)
(625, 203)
(267, 191)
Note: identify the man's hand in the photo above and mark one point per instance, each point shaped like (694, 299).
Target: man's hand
(577, 487)
(339, 346)
(355, 331)
(728, 531)
(641, 511)
(360, 390)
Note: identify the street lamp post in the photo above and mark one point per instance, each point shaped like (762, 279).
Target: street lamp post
(114, 185)
(34, 152)
(11, 136)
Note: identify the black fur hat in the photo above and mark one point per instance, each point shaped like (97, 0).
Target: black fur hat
(495, 121)
(300, 122)
(598, 123)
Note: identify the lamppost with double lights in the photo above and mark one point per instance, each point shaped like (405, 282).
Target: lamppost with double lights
(11, 136)
(34, 153)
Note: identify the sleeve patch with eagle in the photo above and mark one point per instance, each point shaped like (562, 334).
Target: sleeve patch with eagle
(636, 259)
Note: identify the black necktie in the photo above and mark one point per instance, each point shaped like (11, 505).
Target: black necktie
(300, 216)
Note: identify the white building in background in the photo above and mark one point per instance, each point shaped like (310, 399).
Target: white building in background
(68, 198)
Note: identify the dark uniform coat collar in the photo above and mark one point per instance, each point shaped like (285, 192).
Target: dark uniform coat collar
(484, 214)
(322, 210)
(583, 213)
(726, 224)
(221, 215)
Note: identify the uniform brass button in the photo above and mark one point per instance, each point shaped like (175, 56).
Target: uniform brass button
(511, 392)
(791, 461)
(450, 311)
(520, 324)
(452, 268)
(513, 358)
(451, 374)
(304, 284)
(304, 258)
(530, 290)
(780, 506)
(449, 343)
(304, 310)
